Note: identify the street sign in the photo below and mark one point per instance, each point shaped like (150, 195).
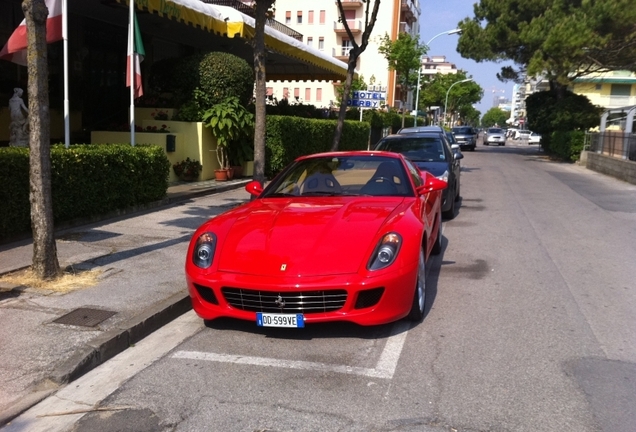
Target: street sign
(367, 99)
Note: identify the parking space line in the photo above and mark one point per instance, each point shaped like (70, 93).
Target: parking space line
(385, 367)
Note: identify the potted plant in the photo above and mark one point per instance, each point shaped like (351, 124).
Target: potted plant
(188, 169)
(230, 122)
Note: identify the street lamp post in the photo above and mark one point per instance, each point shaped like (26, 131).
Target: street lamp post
(419, 70)
(448, 91)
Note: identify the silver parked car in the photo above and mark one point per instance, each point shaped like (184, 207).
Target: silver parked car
(495, 136)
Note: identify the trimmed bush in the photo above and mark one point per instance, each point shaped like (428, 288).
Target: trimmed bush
(291, 137)
(86, 180)
(203, 80)
(565, 145)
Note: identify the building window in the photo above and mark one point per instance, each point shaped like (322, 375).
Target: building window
(322, 17)
(285, 92)
(321, 43)
(296, 93)
(307, 94)
(310, 41)
(346, 47)
(310, 17)
(270, 91)
(288, 17)
(318, 95)
(599, 86)
(299, 17)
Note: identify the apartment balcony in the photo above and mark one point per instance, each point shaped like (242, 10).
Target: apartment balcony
(351, 4)
(341, 52)
(249, 11)
(405, 27)
(408, 11)
(354, 25)
(607, 101)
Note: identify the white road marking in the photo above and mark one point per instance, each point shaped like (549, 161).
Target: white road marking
(89, 390)
(385, 367)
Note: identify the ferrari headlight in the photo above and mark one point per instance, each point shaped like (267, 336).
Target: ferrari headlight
(203, 252)
(385, 252)
(444, 176)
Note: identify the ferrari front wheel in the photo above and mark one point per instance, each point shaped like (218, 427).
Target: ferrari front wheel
(419, 296)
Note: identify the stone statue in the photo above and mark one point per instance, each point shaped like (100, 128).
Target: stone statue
(19, 127)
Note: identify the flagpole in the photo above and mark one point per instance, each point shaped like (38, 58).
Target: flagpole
(131, 59)
(67, 128)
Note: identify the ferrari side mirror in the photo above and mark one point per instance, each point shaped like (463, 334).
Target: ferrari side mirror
(254, 188)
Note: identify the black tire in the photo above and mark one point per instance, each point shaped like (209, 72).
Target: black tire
(457, 197)
(472, 148)
(437, 246)
(450, 213)
(419, 295)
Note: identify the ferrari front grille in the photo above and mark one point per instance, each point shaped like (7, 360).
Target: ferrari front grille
(306, 302)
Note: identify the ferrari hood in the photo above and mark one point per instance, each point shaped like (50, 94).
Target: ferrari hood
(308, 238)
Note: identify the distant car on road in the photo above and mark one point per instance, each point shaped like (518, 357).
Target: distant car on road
(466, 137)
(495, 136)
(534, 138)
(521, 134)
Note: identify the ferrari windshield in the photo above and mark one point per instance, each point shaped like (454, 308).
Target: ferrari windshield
(342, 176)
(417, 149)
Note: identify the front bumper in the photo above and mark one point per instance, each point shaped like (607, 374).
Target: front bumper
(393, 304)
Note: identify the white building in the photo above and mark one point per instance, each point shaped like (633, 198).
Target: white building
(318, 22)
(437, 64)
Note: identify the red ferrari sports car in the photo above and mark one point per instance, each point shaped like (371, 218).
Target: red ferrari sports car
(341, 236)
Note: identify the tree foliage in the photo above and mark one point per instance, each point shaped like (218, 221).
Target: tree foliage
(403, 56)
(371, 10)
(560, 39)
(494, 117)
(461, 97)
(548, 113)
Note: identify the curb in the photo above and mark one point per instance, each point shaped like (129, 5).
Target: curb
(109, 344)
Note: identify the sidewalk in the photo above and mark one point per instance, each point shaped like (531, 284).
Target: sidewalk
(48, 339)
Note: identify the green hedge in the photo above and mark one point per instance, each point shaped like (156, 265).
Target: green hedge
(291, 137)
(565, 145)
(86, 180)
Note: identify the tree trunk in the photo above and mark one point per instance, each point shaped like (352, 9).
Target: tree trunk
(262, 7)
(45, 263)
(351, 67)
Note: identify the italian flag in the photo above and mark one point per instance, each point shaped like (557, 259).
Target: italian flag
(15, 50)
(136, 54)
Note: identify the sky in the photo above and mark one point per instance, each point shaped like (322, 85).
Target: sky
(439, 17)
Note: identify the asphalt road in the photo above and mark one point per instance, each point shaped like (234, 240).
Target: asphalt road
(531, 327)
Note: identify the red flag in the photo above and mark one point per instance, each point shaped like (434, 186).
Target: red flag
(15, 48)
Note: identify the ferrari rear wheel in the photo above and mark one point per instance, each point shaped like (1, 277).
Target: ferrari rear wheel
(419, 297)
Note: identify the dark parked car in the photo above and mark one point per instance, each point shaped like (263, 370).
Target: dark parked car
(466, 137)
(430, 151)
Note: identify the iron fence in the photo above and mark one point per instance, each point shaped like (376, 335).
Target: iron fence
(617, 144)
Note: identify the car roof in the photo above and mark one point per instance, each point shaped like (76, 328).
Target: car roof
(416, 129)
(435, 134)
(353, 153)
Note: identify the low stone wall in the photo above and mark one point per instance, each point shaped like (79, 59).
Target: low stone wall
(620, 168)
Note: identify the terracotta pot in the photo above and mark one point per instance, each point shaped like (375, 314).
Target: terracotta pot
(220, 175)
(238, 171)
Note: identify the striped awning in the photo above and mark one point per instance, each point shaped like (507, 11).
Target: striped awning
(226, 21)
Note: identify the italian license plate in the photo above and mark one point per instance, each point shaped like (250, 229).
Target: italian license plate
(280, 320)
